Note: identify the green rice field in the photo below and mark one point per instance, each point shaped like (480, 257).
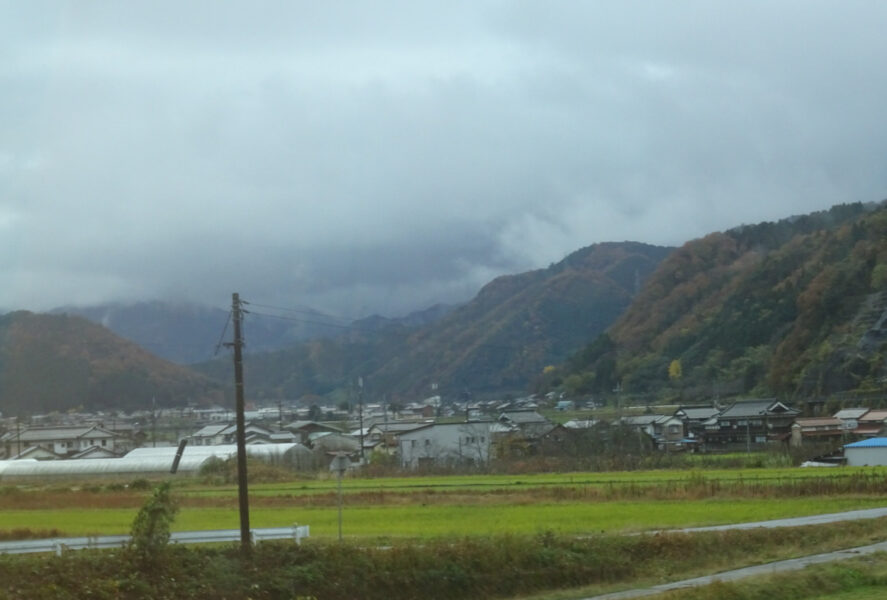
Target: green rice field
(433, 520)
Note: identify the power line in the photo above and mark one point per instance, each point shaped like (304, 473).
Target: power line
(222, 337)
(408, 331)
(304, 311)
(297, 320)
(350, 327)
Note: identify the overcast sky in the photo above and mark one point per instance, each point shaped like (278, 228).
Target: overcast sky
(364, 157)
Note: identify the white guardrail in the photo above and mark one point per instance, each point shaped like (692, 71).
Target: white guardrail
(59, 545)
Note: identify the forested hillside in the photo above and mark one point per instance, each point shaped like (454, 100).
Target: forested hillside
(499, 341)
(796, 308)
(59, 362)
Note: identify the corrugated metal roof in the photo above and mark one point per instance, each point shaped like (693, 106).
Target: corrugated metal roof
(878, 442)
(874, 415)
(850, 413)
(818, 421)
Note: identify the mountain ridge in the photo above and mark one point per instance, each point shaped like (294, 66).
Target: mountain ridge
(498, 341)
(767, 309)
(61, 362)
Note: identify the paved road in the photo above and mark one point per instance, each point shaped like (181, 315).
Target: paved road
(852, 515)
(793, 564)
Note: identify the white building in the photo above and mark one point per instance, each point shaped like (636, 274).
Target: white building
(867, 453)
(445, 444)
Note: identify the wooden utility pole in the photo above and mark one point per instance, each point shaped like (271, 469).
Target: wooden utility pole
(243, 495)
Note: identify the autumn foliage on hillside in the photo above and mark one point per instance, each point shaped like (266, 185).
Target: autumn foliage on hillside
(514, 327)
(58, 362)
(794, 308)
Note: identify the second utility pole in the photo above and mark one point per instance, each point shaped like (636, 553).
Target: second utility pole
(237, 316)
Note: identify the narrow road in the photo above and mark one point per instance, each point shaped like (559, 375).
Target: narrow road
(851, 515)
(793, 564)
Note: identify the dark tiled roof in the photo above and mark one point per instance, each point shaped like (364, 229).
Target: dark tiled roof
(698, 413)
(757, 408)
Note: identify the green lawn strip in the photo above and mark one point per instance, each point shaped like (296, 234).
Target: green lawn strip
(433, 520)
(563, 518)
(513, 482)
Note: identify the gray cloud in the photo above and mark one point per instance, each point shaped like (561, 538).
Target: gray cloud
(382, 157)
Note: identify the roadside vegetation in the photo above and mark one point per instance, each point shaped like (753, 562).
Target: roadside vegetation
(863, 578)
(450, 567)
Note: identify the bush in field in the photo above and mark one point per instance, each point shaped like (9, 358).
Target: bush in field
(151, 527)
(217, 470)
(223, 471)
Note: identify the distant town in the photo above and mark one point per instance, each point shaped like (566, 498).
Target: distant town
(428, 434)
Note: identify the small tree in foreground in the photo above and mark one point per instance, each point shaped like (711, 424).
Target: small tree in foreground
(151, 527)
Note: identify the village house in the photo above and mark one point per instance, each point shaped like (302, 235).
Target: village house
(667, 432)
(216, 435)
(327, 443)
(694, 419)
(445, 444)
(304, 429)
(871, 424)
(850, 417)
(520, 433)
(750, 422)
(59, 441)
(817, 429)
(383, 436)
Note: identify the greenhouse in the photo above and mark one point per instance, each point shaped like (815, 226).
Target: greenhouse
(28, 469)
(291, 455)
(146, 462)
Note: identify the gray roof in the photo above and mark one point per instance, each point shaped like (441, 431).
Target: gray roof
(850, 413)
(639, 420)
(698, 413)
(210, 430)
(396, 427)
(297, 425)
(50, 434)
(521, 417)
(757, 408)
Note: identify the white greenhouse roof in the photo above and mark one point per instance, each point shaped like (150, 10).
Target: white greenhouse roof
(142, 461)
(97, 467)
(219, 451)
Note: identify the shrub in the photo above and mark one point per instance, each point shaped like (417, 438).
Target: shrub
(151, 527)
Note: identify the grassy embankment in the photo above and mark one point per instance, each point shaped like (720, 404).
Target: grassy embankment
(443, 568)
(863, 578)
